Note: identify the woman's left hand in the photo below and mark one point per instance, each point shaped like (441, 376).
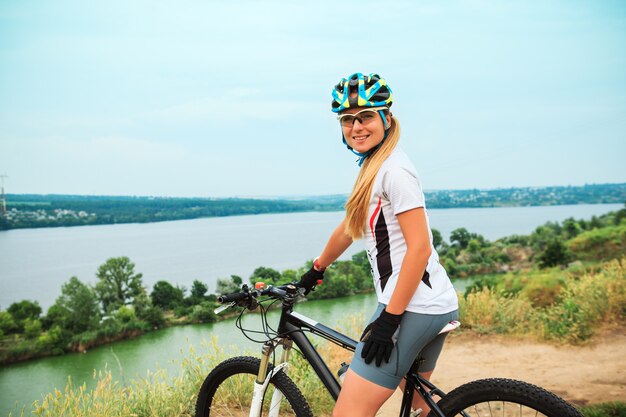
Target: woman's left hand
(378, 337)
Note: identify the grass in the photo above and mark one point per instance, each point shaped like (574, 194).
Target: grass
(612, 409)
(565, 306)
(569, 312)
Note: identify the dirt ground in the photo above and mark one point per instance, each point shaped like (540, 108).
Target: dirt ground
(583, 375)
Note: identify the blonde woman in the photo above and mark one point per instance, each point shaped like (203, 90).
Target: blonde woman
(387, 209)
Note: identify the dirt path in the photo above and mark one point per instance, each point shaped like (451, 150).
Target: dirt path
(581, 374)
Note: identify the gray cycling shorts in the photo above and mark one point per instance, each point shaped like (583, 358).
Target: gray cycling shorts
(418, 335)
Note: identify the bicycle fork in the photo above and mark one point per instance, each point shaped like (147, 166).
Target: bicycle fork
(264, 377)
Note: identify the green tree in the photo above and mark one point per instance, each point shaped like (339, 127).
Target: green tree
(460, 237)
(437, 238)
(24, 310)
(7, 323)
(228, 286)
(77, 309)
(118, 283)
(32, 328)
(571, 228)
(198, 290)
(166, 296)
(555, 253)
(265, 274)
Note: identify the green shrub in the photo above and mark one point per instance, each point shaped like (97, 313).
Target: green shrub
(612, 409)
(203, 313)
(600, 244)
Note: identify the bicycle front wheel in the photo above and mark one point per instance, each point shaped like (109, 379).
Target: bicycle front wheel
(227, 391)
(503, 398)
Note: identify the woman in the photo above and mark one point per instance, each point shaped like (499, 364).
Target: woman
(387, 209)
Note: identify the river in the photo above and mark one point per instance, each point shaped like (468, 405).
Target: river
(34, 263)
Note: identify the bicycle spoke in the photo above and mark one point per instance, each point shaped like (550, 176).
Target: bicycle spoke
(500, 408)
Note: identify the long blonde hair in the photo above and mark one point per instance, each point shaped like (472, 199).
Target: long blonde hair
(359, 200)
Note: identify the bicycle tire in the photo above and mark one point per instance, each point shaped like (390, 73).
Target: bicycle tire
(506, 398)
(227, 390)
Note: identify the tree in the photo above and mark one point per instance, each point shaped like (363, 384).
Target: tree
(460, 237)
(118, 283)
(555, 253)
(263, 274)
(23, 311)
(198, 289)
(76, 310)
(571, 228)
(32, 328)
(166, 296)
(7, 323)
(228, 286)
(437, 238)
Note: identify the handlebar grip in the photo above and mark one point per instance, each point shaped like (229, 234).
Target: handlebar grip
(234, 297)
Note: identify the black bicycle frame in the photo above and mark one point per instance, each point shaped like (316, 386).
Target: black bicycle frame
(292, 324)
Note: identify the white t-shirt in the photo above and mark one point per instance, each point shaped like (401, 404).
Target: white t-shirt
(398, 189)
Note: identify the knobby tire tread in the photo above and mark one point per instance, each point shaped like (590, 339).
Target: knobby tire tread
(502, 389)
(248, 365)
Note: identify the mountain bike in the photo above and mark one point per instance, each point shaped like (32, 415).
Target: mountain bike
(255, 387)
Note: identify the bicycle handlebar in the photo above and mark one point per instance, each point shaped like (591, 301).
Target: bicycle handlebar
(280, 292)
(234, 297)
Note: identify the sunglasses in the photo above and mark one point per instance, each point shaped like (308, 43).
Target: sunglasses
(364, 116)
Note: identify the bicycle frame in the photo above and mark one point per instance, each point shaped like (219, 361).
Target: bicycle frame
(292, 325)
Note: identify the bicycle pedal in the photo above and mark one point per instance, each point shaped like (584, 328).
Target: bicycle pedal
(416, 413)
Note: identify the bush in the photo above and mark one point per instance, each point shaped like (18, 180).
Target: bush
(203, 313)
(600, 244)
(125, 314)
(32, 328)
(154, 316)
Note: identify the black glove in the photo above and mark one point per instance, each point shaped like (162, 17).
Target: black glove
(308, 281)
(378, 337)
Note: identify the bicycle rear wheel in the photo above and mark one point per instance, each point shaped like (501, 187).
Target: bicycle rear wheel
(227, 391)
(504, 398)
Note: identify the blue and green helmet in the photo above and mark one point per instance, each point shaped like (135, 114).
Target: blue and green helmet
(372, 91)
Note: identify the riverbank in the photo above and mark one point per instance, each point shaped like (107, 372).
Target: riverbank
(594, 373)
(583, 375)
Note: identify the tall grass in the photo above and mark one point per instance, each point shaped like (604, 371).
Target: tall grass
(155, 395)
(161, 395)
(570, 312)
(567, 306)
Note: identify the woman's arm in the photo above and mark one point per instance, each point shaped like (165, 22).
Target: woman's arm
(415, 231)
(337, 244)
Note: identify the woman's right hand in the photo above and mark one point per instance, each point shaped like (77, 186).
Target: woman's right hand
(310, 279)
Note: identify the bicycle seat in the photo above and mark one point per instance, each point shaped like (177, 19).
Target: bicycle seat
(450, 326)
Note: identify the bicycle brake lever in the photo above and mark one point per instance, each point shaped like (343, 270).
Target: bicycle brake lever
(224, 307)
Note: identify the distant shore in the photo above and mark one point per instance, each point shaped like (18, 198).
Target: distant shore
(52, 210)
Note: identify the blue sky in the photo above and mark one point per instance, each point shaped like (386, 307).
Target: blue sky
(220, 98)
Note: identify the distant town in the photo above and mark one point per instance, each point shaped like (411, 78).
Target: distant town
(35, 210)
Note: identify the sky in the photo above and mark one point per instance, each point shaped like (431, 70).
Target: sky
(232, 98)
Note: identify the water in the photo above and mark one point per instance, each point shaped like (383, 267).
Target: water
(129, 359)
(180, 252)
(34, 263)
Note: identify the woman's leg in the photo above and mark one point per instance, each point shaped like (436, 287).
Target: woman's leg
(360, 397)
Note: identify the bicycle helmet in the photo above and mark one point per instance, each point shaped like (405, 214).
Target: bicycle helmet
(372, 91)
